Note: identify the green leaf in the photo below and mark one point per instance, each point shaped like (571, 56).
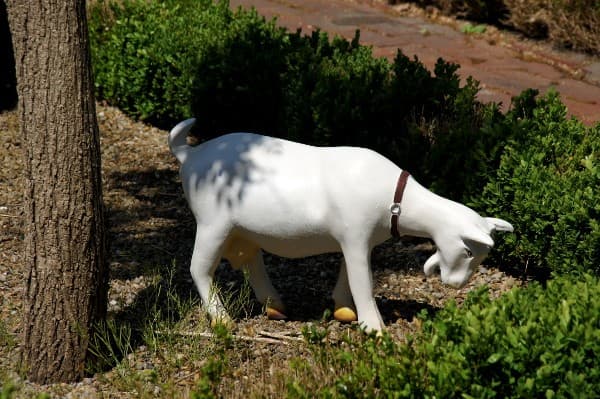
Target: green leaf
(494, 358)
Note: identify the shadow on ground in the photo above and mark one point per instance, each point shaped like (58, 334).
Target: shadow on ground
(150, 226)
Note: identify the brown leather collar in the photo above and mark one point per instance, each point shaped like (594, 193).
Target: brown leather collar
(395, 208)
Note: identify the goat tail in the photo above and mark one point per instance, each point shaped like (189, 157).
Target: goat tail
(178, 139)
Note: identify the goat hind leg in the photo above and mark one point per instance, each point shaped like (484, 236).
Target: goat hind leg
(205, 259)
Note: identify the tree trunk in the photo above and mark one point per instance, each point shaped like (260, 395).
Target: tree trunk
(66, 285)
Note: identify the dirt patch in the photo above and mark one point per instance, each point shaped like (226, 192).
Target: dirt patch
(151, 235)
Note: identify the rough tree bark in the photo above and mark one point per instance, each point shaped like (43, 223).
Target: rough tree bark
(66, 284)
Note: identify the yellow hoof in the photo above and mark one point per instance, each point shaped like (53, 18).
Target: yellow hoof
(275, 314)
(345, 314)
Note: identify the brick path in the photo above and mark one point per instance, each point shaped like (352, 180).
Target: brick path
(503, 71)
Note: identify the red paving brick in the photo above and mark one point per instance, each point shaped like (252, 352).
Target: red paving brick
(503, 71)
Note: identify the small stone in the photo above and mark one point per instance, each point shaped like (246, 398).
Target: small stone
(403, 7)
(144, 366)
(498, 275)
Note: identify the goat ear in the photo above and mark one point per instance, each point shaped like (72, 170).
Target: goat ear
(479, 236)
(432, 264)
(499, 225)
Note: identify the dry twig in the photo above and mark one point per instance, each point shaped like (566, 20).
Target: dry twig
(263, 336)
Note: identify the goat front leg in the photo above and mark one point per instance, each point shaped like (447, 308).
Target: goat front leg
(360, 280)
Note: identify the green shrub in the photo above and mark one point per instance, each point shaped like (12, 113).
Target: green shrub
(337, 91)
(531, 342)
(148, 56)
(132, 67)
(299, 87)
(165, 61)
(464, 147)
(237, 75)
(547, 186)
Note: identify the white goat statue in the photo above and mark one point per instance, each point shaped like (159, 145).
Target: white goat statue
(250, 193)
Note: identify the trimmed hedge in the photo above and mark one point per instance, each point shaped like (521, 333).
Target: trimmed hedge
(547, 186)
(531, 342)
(233, 70)
(149, 57)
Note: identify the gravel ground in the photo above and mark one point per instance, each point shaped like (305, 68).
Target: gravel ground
(151, 233)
